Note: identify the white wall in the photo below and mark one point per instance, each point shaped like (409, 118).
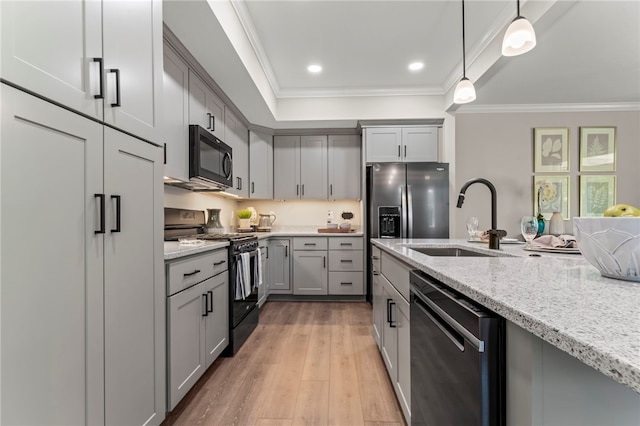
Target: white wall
(499, 147)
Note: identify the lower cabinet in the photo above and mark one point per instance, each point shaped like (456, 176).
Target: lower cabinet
(279, 266)
(310, 269)
(198, 332)
(346, 262)
(391, 329)
(263, 288)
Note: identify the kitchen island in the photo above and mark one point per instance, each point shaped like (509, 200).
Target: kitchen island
(554, 305)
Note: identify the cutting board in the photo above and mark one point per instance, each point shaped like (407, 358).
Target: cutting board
(335, 231)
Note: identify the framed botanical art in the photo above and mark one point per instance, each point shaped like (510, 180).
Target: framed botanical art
(554, 196)
(597, 193)
(597, 149)
(551, 149)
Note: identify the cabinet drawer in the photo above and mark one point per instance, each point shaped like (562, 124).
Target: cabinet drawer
(397, 273)
(345, 260)
(346, 283)
(311, 243)
(345, 243)
(185, 273)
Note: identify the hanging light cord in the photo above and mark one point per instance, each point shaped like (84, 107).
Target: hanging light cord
(518, 7)
(464, 64)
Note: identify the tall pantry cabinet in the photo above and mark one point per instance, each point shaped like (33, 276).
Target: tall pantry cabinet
(81, 253)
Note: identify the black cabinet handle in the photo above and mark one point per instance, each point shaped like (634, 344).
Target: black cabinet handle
(389, 310)
(219, 263)
(405, 151)
(206, 311)
(392, 323)
(376, 273)
(197, 271)
(253, 187)
(375, 257)
(286, 251)
(100, 95)
(209, 122)
(309, 244)
(118, 212)
(303, 189)
(347, 244)
(298, 189)
(331, 189)
(324, 262)
(398, 150)
(346, 283)
(102, 220)
(165, 153)
(346, 260)
(239, 183)
(212, 122)
(210, 301)
(267, 251)
(117, 73)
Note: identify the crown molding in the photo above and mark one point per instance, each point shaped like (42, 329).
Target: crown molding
(524, 108)
(361, 92)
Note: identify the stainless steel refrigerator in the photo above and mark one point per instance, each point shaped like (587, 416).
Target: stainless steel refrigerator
(407, 200)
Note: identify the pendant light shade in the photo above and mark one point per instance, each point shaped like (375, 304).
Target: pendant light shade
(464, 91)
(520, 36)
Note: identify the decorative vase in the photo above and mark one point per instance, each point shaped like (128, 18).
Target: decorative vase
(244, 223)
(213, 225)
(556, 224)
(540, 227)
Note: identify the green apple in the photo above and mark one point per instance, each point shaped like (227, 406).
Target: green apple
(621, 210)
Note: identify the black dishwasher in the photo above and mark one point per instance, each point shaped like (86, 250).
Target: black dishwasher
(457, 358)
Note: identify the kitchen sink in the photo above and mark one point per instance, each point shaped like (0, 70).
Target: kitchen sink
(449, 252)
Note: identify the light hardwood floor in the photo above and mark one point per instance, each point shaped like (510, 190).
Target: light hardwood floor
(307, 363)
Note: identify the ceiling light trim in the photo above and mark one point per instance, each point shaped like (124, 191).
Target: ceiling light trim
(342, 93)
(532, 108)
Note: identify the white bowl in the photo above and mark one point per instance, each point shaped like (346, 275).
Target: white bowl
(611, 244)
(332, 226)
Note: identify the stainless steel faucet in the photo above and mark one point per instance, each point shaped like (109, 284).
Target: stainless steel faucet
(494, 232)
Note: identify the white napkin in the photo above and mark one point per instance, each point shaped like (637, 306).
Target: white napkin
(564, 241)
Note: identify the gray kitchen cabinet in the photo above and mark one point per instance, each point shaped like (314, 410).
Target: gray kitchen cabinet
(237, 137)
(310, 266)
(403, 380)
(175, 134)
(345, 169)
(74, 53)
(300, 167)
(377, 297)
(263, 289)
(346, 265)
(99, 320)
(206, 109)
(279, 266)
(260, 165)
(389, 333)
(401, 144)
(198, 332)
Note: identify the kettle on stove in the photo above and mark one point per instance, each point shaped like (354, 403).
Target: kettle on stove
(265, 221)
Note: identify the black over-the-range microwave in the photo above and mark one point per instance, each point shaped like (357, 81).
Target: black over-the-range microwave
(210, 160)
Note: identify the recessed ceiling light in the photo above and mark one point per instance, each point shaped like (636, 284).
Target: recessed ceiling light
(416, 66)
(314, 68)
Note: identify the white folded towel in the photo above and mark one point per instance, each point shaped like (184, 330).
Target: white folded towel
(258, 280)
(243, 277)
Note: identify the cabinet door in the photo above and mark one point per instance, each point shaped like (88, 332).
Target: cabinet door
(216, 322)
(310, 274)
(237, 138)
(344, 167)
(262, 288)
(186, 311)
(260, 166)
(175, 126)
(279, 267)
(134, 291)
(403, 381)
(52, 322)
(378, 308)
(216, 108)
(420, 144)
(198, 94)
(313, 167)
(48, 48)
(132, 42)
(286, 167)
(383, 144)
(389, 329)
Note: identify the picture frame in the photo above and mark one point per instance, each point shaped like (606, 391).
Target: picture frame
(597, 149)
(554, 196)
(597, 193)
(551, 149)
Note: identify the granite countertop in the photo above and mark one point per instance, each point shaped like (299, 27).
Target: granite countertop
(560, 298)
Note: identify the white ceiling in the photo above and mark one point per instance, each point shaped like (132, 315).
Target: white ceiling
(588, 53)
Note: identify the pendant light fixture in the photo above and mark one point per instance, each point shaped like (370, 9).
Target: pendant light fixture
(520, 36)
(464, 92)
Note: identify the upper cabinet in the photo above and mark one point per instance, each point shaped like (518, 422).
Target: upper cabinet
(344, 167)
(82, 56)
(237, 136)
(260, 165)
(398, 144)
(205, 108)
(300, 167)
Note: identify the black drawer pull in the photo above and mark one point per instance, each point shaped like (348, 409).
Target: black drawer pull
(210, 301)
(197, 271)
(346, 244)
(117, 73)
(309, 244)
(205, 300)
(100, 94)
(346, 283)
(346, 260)
(118, 213)
(219, 263)
(102, 219)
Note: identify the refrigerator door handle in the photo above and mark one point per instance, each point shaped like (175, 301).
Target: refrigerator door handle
(403, 211)
(409, 213)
